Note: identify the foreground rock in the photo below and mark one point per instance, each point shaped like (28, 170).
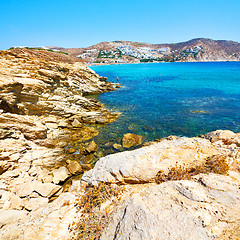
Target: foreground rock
(202, 208)
(142, 165)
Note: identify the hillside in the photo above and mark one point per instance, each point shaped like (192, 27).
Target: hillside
(198, 49)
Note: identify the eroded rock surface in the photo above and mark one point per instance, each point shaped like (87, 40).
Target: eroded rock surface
(204, 207)
(142, 165)
(198, 209)
(42, 106)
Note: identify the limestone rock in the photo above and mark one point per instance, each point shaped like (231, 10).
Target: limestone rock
(117, 147)
(76, 123)
(46, 189)
(35, 133)
(44, 175)
(35, 203)
(25, 189)
(71, 150)
(60, 174)
(74, 167)
(4, 166)
(86, 167)
(142, 165)
(177, 210)
(130, 140)
(220, 135)
(11, 201)
(10, 216)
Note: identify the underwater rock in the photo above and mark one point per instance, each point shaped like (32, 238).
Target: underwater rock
(130, 140)
(74, 167)
(90, 148)
(118, 147)
(71, 150)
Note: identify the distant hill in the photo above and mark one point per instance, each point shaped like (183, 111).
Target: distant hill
(198, 49)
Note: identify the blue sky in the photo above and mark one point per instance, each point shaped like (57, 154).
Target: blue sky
(78, 23)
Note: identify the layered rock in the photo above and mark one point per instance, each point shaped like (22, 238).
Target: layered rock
(36, 87)
(42, 107)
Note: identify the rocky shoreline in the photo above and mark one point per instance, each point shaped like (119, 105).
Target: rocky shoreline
(174, 188)
(42, 108)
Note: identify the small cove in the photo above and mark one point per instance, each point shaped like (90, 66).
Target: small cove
(162, 99)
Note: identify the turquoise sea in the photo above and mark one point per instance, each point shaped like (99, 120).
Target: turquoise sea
(162, 99)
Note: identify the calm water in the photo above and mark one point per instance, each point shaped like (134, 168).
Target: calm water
(162, 99)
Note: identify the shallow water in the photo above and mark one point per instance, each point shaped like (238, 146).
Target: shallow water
(162, 99)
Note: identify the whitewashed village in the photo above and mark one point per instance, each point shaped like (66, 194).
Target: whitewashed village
(117, 52)
(128, 53)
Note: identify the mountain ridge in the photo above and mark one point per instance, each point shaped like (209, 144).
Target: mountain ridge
(197, 49)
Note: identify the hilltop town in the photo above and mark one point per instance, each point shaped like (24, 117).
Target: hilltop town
(195, 50)
(198, 49)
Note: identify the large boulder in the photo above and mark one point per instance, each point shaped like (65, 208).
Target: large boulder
(130, 140)
(142, 165)
(202, 208)
(227, 136)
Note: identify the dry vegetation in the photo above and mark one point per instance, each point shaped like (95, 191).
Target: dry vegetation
(215, 164)
(93, 216)
(23, 53)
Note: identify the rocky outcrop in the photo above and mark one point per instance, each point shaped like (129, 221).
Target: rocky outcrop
(203, 207)
(38, 87)
(42, 107)
(142, 165)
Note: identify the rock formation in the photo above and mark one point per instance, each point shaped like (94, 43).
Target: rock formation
(42, 106)
(204, 206)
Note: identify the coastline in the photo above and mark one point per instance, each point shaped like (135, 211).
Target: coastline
(43, 109)
(43, 112)
(102, 64)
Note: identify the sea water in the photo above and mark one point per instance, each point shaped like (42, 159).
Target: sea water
(162, 99)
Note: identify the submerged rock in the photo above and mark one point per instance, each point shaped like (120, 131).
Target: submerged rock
(118, 147)
(74, 167)
(130, 140)
(90, 148)
(71, 150)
